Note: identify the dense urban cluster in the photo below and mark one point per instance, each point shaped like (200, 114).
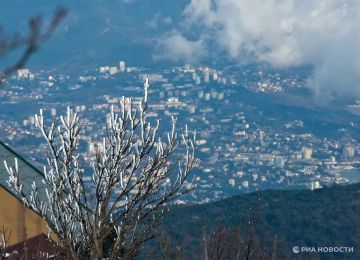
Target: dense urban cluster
(244, 143)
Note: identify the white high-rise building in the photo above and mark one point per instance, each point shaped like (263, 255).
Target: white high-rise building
(245, 184)
(206, 76)
(197, 81)
(306, 153)
(262, 138)
(53, 111)
(201, 94)
(214, 76)
(314, 185)
(194, 76)
(349, 152)
(232, 182)
(192, 109)
(255, 176)
(207, 96)
(91, 147)
(122, 67)
(221, 96)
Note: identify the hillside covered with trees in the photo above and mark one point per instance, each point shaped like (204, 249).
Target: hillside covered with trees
(327, 217)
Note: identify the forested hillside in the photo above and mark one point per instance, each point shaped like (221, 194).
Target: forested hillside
(325, 217)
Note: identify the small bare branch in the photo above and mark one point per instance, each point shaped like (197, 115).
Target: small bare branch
(31, 43)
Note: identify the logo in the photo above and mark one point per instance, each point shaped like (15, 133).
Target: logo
(322, 249)
(296, 249)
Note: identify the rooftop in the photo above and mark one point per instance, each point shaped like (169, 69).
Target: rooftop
(28, 173)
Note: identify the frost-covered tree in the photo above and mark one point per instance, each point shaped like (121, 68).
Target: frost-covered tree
(135, 175)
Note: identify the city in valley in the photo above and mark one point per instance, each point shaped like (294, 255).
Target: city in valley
(257, 128)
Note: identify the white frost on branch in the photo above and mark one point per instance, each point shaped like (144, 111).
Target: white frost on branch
(134, 177)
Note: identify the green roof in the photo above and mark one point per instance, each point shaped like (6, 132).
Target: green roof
(28, 173)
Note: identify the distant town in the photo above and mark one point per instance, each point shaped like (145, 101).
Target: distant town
(244, 142)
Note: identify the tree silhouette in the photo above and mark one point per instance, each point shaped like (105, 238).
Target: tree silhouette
(37, 35)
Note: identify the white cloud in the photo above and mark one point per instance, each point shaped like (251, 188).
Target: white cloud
(175, 47)
(157, 19)
(339, 70)
(283, 33)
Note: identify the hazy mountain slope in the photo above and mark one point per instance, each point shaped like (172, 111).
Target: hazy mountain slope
(96, 32)
(325, 217)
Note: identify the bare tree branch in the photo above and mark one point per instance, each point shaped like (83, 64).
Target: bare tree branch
(135, 176)
(36, 37)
